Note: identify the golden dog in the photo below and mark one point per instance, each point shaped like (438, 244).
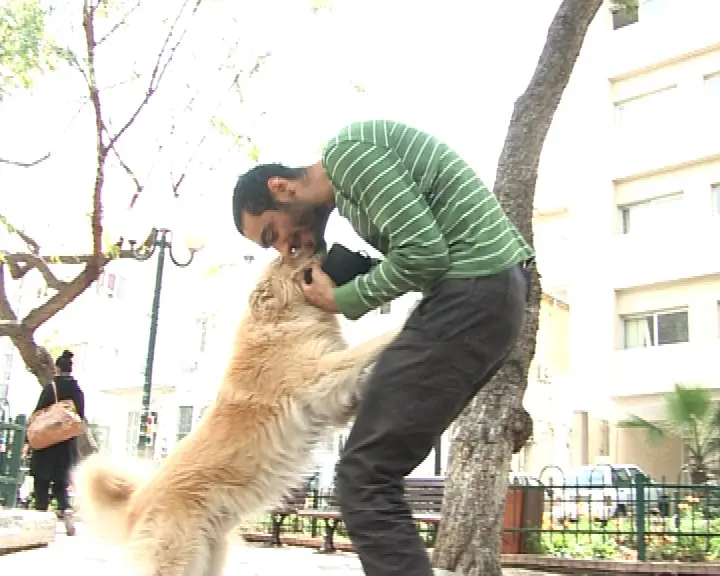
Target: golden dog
(289, 380)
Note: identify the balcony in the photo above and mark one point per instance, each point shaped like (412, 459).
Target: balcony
(682, 27)
(688, 138)
(670, 254)
(657, 369)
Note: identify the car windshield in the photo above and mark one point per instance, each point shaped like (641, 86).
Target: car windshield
(635, 472)
(621, 477)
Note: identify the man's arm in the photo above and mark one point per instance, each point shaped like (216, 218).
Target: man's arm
(375, 179)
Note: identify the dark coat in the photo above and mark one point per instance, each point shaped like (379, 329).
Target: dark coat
(55, 462)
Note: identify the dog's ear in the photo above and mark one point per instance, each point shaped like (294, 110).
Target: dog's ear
(269, 298)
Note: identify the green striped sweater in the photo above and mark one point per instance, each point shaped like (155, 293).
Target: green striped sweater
(415, 200)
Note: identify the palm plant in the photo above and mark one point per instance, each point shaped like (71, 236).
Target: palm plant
(693, 415)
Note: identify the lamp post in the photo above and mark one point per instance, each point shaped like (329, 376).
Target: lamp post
(160, 241)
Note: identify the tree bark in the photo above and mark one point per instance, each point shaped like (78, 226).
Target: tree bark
(495, 425)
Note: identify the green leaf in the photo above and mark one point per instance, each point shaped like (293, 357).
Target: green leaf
(319, 5)
(25, 48)
(683, 406)
(655, 433)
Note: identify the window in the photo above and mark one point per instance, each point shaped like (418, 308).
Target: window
(655, 329)
(587, 477)
(620, 478)
(7, 367)
(101, 435)
(203, 327)
(646, 112)
(604, 438)
(715, 191)
(184, 427)
(623, 15)
(648, 10)
(132, 433)
(110, 285)
(712, 86)
(650, 216)
(120, 288)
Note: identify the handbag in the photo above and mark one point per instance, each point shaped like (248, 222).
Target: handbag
(86, 442)
(54, 424)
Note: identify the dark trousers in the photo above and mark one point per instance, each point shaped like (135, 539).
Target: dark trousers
(452, 344)
(59, 491)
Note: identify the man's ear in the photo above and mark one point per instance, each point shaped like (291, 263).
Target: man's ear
(281, 189)
(269, 298)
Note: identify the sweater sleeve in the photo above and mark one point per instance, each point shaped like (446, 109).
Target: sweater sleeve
(375, 179)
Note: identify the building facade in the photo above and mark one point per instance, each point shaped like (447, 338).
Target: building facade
(631, 177)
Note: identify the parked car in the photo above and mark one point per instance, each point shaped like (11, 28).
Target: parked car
(603, 492)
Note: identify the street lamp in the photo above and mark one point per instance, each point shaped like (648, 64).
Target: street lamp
(160, 241)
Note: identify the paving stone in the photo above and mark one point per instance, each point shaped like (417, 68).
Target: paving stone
(83, 555)
(25, 528)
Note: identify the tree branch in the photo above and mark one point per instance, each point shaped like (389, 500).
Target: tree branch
(535, 109)
(29, 164)
(6, 312)
(101, 149)
(121, 22)
(160, 67)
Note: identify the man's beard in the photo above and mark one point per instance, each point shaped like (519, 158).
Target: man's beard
(309, 217)
(321, 217)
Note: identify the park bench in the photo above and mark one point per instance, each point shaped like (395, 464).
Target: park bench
(296, 500)
(424, 495)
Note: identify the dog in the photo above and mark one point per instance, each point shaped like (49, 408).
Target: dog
(289, 381)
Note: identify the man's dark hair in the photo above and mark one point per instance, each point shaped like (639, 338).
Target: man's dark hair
(252, 194)
(64, 362)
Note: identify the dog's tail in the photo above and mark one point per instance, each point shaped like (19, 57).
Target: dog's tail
(103, 490)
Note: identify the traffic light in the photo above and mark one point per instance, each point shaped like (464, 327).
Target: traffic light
(148, 430)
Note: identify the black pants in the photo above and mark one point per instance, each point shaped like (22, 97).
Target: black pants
(59, 491)
(452, 344)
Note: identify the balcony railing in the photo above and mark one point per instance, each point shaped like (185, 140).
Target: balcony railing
(657, 369)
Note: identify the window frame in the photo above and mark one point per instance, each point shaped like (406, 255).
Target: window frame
(655, 335)
(183, 423)
(715, 198)
(625, 210)
(648, 97)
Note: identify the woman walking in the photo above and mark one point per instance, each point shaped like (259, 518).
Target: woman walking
(51, 466)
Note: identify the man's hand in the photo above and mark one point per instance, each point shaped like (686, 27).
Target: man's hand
(320, 291)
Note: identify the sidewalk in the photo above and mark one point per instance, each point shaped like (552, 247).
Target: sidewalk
(83, 555)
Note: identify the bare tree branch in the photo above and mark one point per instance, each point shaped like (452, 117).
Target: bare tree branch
(119, 23)
(167, 53)
(535, 109)
(6, 311)
(21, 164)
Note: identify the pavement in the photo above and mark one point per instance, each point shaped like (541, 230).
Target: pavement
(83, 555)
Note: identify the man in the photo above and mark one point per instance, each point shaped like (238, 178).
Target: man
(443, 233)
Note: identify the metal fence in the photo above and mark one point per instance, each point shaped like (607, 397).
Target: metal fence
(642, 520)
(12, 439)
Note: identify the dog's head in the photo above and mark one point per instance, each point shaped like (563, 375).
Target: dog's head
(278, 289)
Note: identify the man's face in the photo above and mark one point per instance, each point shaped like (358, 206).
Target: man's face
(291, 228)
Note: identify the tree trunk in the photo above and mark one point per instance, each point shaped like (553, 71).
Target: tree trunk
(36, 358)
(39, 362)
(495, 425)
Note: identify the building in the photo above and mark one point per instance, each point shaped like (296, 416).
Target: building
(546, 397)
(628, 211)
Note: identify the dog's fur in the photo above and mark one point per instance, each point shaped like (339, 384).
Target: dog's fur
(289, 380)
